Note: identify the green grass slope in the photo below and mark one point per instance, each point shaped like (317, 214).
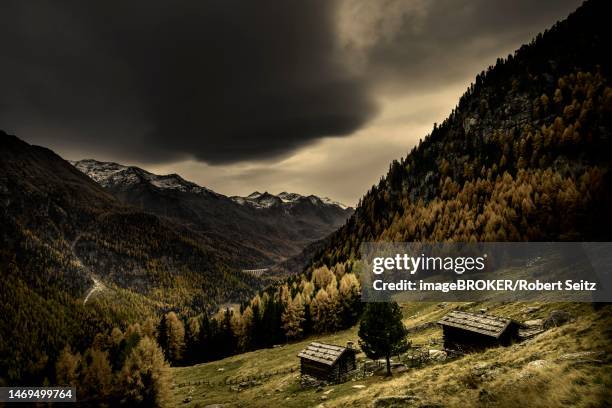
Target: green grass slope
(541, 372)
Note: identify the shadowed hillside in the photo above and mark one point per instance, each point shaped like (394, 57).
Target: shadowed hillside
(251, 232)
(61, 232)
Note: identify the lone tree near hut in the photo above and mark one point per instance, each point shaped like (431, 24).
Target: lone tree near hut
(382, 333)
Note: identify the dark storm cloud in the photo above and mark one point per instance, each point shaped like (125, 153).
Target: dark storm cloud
(424, 44)
(225, 81)
(221, 81)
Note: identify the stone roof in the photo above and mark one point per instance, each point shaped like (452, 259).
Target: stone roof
(323, 353)
(489, 325)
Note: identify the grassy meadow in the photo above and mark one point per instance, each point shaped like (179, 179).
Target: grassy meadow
(563, 366)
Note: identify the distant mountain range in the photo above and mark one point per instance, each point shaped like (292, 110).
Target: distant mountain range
(63, 236)
(256, 231)
(90, 247)
(284, 199)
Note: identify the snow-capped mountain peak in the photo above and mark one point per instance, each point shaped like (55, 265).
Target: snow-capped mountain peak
(289, 197)
(114, 175)
(327, 200)
(266, 200)
(109, 174)
(254, 195)
(101, 172)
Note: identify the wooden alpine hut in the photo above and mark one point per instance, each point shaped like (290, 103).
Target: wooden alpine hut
(327, 361)
(466, 331)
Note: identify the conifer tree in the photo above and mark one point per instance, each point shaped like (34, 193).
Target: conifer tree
(349, 297)
(293, 317)
(66, 368)
(97, 375)
(192, 329)
(382, 333)
(172, 337)
(145, 376)
(162, 335)
(204, 337)
(227, 341)
(176, 337)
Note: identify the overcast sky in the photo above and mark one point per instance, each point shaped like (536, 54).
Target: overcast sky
(314, 97)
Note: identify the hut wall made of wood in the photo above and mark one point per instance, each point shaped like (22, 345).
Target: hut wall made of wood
(347, 363)
(318, 370)
(455, 338)
(510, 334)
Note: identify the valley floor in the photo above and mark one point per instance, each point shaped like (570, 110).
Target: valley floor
(564, 366)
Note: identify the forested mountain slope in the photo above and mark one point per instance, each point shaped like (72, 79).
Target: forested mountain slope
(60, 230)
(251, 232)
(525, 155)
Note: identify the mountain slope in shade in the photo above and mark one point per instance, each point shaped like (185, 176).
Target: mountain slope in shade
(59, 208)
(252, 232)
(63, 236)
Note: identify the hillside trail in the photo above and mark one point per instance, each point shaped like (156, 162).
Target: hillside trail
(98, 286)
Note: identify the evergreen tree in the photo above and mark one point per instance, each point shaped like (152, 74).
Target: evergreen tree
(227, 340)
(162, 335)
(66, 368)
(382, 333)
(172, 337)
(293, 317)
(96, 376)
(145, 376)
(204, 338)
(192, 330)
(124, 349)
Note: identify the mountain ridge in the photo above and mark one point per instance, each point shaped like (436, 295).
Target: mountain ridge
(267, 200)
(61, 230)
(109, 174)
(256, 231)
